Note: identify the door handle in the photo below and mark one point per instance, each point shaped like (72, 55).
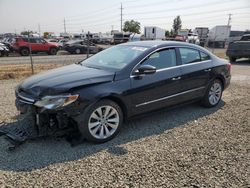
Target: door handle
(207, 70)
(176, 78)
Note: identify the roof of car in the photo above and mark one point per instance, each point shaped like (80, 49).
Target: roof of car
(156, 43)
(160, 43)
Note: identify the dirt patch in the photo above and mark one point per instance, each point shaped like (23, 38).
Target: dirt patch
(15, 71)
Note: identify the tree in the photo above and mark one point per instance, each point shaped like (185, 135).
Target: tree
(26, 32)
(132, 27)
(167, 33)
(177, 25)
(46, 35)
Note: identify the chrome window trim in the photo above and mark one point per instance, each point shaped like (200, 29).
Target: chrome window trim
(25, 98)
(182, 65)
(170, 96)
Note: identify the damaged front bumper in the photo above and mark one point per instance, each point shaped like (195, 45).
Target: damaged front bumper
(34, 122)
(47, 121)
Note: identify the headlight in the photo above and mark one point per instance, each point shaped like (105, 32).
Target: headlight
(53, 102)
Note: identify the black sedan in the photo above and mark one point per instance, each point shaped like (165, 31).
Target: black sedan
(99, 93)
(81, 47)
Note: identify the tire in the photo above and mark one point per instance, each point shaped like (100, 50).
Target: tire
(52, 51)
(101, 129)
(232, 59)
(78, 51)
(213, 94)
(24, 52)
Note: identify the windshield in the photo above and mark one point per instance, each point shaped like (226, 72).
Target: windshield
(115, 57)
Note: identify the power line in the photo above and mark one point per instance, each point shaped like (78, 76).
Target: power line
(181, 8)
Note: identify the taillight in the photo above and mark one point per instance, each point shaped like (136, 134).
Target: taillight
(229, 66)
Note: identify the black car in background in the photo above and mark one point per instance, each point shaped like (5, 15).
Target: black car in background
(4, 50)
(239, 49)
(80, 47)
(99, 93)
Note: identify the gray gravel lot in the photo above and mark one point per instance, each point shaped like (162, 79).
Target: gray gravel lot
(189, 146)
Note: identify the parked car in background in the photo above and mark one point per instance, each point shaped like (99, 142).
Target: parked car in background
(4, 50)
(120, 37)
(99, 93)
(239, 49)
(80, 47)
(22, 45)
(61, 43)
(53, 40)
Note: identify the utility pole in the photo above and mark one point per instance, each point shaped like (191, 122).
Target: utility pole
(39, 30)
(64, 24)
(30, 54)
(88, 45)
(121, 16)
(229, 19)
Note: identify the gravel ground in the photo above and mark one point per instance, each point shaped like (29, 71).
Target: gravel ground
(189, 146)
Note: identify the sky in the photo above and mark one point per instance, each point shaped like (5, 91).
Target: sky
(103, 15)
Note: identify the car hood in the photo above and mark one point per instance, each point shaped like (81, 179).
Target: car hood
(61, 80)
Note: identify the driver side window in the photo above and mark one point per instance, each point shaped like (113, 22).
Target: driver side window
(162, 59)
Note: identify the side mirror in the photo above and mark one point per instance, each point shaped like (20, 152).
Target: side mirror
(145, 69)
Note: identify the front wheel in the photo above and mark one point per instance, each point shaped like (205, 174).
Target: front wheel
(78, 51)
(101, 121)
(24, 52)
(213, 94)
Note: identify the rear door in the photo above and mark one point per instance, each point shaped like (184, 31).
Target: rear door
(157, 90)
(196, 72)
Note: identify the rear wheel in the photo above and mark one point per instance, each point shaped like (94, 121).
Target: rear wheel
(52, 51)
(77, 51)
(213, 94)
(24, 52)
(101, 121)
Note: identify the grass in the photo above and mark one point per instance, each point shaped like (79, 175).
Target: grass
(21, 71)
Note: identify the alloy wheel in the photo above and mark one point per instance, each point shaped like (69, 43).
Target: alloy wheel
(103, 122)
(215, 93)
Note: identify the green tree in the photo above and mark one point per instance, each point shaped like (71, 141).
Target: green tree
(132, 27)
(46, 35)
(26, 32)
(167, 33)
(177, 25)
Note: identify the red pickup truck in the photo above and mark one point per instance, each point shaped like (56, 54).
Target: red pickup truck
(22, 45)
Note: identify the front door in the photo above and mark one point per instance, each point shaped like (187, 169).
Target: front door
(156, 90)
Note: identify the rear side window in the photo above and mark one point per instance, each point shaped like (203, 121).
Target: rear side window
(204, 57)
(189, 55)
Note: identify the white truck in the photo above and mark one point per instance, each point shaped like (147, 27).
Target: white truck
(218, 36)
(202, 34)
(154, 33)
